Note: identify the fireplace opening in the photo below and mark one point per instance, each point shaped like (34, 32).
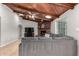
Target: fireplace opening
(43, 33)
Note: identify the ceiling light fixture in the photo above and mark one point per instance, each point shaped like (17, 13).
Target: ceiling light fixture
(48, 16)
(33, 16)
(21, 14)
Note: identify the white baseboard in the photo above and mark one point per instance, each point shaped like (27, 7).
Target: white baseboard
(7, 43)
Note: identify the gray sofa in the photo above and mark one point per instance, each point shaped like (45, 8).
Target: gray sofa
(53, 46)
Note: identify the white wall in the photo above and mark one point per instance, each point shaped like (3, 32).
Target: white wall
(0, 30)
(27, 23)
(9, 25)
(72, 19)
(54, 26)
(63, 17)
(73, 24)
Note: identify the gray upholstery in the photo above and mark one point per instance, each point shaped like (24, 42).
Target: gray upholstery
(48, 47)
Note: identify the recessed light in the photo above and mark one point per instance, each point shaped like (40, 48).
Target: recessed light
(48, 16)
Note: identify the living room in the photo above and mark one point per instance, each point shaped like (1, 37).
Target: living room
(14, 27)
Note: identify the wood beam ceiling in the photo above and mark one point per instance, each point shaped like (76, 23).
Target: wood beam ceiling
(25, 11)
(41, 10)
(16, 9)
(22, 6)
(65, 5)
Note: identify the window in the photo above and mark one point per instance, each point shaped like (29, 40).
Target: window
(62, 27)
